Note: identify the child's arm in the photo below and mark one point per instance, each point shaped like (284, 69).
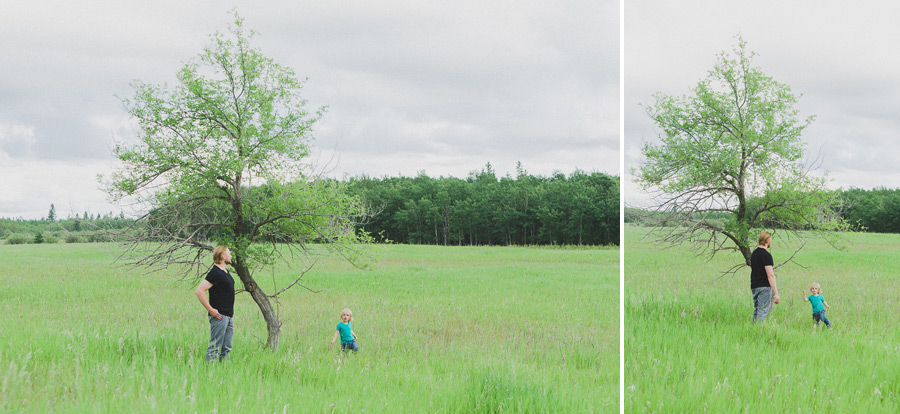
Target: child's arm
(335, 337)
(825, 303)
(803, 292)
(354, 336)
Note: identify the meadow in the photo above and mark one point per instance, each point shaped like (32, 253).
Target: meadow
(690, 345)
(441, 330)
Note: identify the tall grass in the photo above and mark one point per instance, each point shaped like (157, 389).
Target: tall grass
(484, 329)
(690, 345)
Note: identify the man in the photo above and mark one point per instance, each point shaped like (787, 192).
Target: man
(762, 279)
(220, 305)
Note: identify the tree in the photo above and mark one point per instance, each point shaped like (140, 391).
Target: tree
(51, 216)
(220, 161)
(733, 149)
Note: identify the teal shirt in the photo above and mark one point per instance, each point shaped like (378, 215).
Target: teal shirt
(346, 332)
(817, 302)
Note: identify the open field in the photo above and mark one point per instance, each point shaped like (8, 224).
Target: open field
(482, 329)
(690, 345)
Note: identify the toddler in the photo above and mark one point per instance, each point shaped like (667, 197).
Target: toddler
(345, 331)
(818, 304)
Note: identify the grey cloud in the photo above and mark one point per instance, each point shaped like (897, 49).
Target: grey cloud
(447, 86)
(837, 57)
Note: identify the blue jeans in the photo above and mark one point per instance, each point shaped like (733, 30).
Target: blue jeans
(762, 303)
(220, 335)
(820, 316)
(349, 345)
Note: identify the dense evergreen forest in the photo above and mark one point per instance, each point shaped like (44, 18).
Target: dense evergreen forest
(578, 209)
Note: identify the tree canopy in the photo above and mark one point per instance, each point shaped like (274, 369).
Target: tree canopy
(483, 209)
(734, 146)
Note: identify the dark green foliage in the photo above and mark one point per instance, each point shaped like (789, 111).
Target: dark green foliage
(581, 209)
(38, 238)
(18, 238)
(876, 210)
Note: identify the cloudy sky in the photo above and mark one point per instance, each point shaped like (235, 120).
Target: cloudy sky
(841, 57)
(440, 87)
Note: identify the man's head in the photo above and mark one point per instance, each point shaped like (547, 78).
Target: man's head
(221, 255)
(765, 239)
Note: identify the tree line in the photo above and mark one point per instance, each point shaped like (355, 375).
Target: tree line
(876, 210)
(579, 209)
(483, 209)
(50, 229)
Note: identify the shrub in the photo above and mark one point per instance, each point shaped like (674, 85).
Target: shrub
(97, 238)
(38, 238)
(18, 238)
(72, 238)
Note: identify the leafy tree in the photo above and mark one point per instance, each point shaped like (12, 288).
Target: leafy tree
(876, 210)
(220, 161)
(734, 146)
(527, 209)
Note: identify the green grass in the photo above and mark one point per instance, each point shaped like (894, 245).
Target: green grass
(690, 345)
(461, 329)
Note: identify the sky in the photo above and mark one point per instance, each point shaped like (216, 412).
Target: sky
(841, 57)
(436, 87)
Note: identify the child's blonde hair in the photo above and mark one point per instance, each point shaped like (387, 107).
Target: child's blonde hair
(815, 285)
(348, 312)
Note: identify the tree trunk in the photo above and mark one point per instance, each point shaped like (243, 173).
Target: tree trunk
(745, 250)
(273, 325)
(580, 229)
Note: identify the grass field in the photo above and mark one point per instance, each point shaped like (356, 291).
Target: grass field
(482, 329)
(690, 345)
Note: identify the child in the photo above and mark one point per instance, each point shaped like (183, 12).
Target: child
(348, 338)
(817, 302)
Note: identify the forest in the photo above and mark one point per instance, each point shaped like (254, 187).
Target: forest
(876, 210)
(579, 209)
(576, 209)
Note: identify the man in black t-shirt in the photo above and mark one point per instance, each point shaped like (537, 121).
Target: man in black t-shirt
(762, 279)
(220, 306)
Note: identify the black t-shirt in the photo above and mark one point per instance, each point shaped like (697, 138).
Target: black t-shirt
(221, 294)
(758, 262)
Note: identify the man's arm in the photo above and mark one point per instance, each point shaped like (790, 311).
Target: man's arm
(771, 275)
(201, 294)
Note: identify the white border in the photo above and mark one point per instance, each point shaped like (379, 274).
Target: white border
(621, 206)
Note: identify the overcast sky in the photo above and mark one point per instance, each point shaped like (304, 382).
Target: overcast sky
(840, 56)
(440, 87)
